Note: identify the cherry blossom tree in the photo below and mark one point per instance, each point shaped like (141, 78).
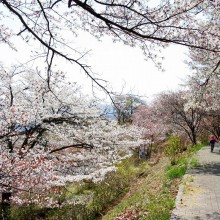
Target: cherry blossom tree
(203, 83)
(169, 113)
(205, 65)
(149, 117)
(211, 123)
(203, 86)
(179, 115)
(51, 135)
(204, 95)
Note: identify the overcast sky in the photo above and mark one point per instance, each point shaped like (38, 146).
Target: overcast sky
(121, 65)
(124, 66)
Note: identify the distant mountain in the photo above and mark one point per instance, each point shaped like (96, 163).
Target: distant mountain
(108, 111)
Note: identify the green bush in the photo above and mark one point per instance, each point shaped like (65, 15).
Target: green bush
(27, 212)
(173, 148)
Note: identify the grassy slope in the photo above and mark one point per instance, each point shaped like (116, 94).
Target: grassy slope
(148, 196)
(152, 196)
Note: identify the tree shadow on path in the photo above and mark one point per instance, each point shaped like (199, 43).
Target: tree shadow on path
(207, 169)
(209, 216)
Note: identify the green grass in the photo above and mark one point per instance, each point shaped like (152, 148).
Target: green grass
(149, 199)
(179, 169)
(176, 171)
(155, 195)
(195, 148)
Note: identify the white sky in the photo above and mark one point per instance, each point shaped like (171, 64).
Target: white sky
(122, 64)
(118, 64)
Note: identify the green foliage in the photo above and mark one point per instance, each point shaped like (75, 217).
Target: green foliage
(176, 172)
(173, 148)
(194, 148)
(178, 169)
(27, 212)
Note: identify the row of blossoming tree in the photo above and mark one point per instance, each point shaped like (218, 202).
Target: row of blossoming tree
(53, 135)
(192, 112)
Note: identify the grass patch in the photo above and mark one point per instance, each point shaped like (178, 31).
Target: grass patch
(194, 162)
(195, 148)
(176, 171)
(160, 209)
(179, 169)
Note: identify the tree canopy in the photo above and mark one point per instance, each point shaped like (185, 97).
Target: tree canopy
(145, 24)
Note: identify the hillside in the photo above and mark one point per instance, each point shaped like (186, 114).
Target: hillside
(153, 192)
(150, 194)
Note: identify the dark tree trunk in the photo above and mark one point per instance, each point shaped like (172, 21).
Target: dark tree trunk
(193, 136)
(5, 205)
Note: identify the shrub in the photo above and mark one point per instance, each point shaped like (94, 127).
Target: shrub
(173, 149)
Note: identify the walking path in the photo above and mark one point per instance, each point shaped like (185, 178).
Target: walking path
(199, 195)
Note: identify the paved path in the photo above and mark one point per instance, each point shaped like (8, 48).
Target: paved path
(199, 195)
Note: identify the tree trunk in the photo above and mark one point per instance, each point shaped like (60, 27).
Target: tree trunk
(5, 205)
(194, 136)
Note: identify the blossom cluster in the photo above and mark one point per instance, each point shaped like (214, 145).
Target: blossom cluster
(51, 135)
